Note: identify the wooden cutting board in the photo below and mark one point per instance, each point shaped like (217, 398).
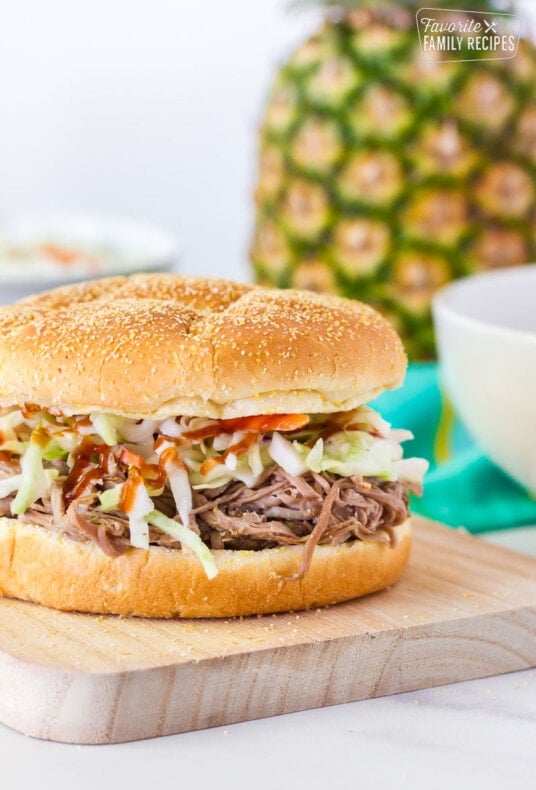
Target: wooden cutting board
(464, 609)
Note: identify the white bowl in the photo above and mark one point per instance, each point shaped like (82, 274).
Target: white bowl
(486, 332)
(109, 245)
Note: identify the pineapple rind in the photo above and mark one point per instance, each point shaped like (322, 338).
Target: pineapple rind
(455, 180)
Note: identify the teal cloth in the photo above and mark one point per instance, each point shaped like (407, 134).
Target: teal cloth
(467, 490)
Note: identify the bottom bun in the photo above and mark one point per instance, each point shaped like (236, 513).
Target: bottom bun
(47, 568)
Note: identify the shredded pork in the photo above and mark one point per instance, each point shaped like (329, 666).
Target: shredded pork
(280, 510)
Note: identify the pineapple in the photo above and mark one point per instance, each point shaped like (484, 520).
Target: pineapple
(383, 175)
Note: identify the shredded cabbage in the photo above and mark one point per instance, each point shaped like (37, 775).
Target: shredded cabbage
(366, 417)
(34, 482)
(106, 425)
(223, 441)
(358, 442)
(400, 435)
(138, 432)
(181, 490)
(411, 470)
(187, 538)
(16, 448)
(11, 420)
(231, 462)
(9, 485)
(111, 499)
(313, 460)
(285, 454)
(349, 453)
(60, 448)
(255, 459)
(141, 507)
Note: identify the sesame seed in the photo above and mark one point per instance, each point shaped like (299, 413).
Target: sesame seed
(157, 343)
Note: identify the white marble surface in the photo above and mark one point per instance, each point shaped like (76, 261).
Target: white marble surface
(466, 736)
(469, 735)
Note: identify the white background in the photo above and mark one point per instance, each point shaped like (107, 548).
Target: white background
(143, 107)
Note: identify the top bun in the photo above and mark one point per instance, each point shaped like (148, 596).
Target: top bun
(163, 345)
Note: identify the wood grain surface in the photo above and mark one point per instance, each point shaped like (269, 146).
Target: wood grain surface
(464, 609)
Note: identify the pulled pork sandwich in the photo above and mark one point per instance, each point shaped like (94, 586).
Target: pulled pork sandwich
(182, 447)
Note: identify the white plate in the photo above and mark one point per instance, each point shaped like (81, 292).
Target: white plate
(112, 245)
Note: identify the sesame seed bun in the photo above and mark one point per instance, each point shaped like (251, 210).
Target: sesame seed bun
(41, 566)
(161, 345)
